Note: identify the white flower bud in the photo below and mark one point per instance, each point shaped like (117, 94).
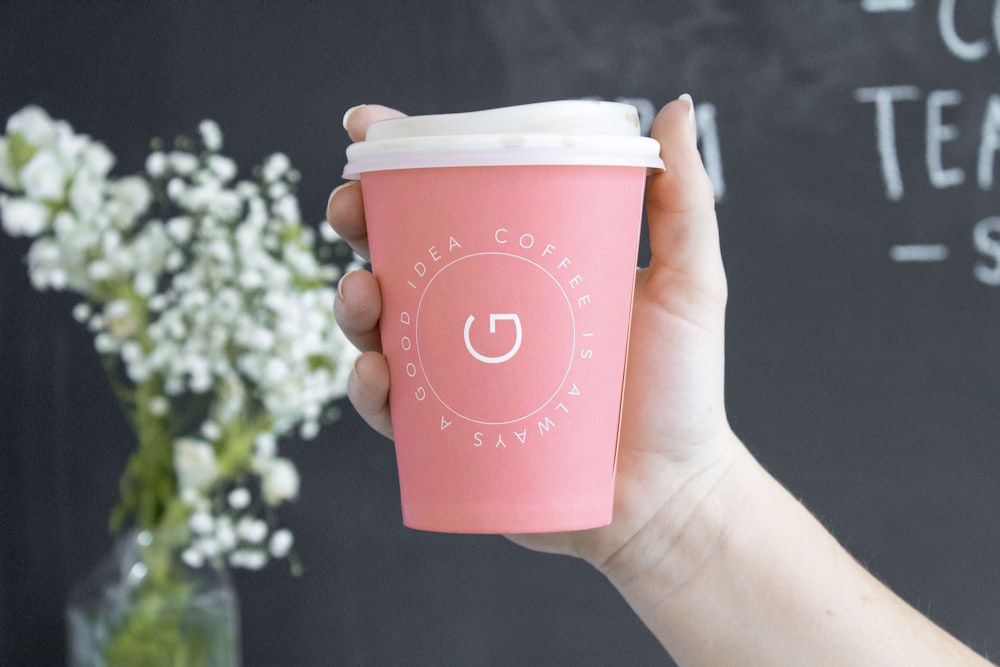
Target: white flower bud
(252, 530)
(82, 312)
(275, 167)
(281, 543)
(211, 134)
(239, 498)
(222, 167)
(23, 217)
(183, 163)
(249, 559)
(280, 481)
(156, 164)
(225, 535)
(202, 523)
(193, 558)
(159, 406)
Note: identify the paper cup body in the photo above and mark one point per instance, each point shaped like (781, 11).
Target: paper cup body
(507, 295)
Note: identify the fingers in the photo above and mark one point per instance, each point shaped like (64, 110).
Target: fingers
(683, 230)
(368, 391)
(357, 119)
(358, 304)
(357, 308)
(344, 209)
(346, 214)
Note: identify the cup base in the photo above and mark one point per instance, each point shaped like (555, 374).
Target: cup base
(507, 521)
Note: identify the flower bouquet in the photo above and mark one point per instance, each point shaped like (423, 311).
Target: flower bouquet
(211, 308)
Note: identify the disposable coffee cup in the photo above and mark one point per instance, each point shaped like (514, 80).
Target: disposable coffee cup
(504, 243)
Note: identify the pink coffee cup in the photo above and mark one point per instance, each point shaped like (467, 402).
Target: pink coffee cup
(504, 242)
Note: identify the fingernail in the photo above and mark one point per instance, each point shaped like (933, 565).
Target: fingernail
(340, 285)
(334, 193)
(347, 114)
(690, 104)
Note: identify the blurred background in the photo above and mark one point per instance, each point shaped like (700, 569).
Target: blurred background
(867, 384)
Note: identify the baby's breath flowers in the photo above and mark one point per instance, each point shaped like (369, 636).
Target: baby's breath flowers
(210, 304)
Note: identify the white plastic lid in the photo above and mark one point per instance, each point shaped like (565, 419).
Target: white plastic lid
(569, 132)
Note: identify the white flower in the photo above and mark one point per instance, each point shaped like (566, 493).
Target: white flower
(132, 194)
(120, 319)
(34, 125)
(156, 164)
(280, 481)
(249, 559)
(275, 167)
(82, 312)
(214, 298)
(144, 284)
(202, 523)
(287, 208)
(194, 463)
(211, 430)
(44, 177)
(208, 546)
(225, 534)
(309, 429)
(222, 167)
(266, 446)
(252, 530)
(86, 194)
(211, 135)
(239, 498)
(159, 406)
(44, 265)
(23, 217)
(98, 159)
(182, 163)
(281, 543)
(193, 557)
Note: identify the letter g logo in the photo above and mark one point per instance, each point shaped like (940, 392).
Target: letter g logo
(494, 318)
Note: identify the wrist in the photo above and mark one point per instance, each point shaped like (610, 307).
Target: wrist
(673, 536)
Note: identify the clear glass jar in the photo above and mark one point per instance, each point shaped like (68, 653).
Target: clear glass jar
(143, 605)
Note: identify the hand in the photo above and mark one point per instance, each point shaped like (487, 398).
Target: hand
(675, 438)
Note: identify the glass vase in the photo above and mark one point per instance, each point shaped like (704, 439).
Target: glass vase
(143, 605)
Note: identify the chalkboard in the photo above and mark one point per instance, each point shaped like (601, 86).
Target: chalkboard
(855, 151)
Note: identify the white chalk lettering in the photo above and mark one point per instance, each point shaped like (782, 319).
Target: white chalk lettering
(969, 51)
(937, 134)
(990, 142)
(986, 237)
(884, 97)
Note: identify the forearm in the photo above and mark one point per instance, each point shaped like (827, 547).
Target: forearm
(753, 579)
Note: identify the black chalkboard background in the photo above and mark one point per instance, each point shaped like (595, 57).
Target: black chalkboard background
(869, 385)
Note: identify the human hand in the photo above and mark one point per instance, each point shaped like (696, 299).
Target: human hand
(675, 438)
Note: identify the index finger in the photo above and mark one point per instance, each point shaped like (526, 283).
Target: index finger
(357, 119)
(345, 209)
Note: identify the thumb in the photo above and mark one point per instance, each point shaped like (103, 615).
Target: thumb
(685, 268)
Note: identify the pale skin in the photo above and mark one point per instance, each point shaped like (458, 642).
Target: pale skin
(717, 559)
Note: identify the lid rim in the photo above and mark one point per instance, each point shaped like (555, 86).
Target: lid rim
(502, 150)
